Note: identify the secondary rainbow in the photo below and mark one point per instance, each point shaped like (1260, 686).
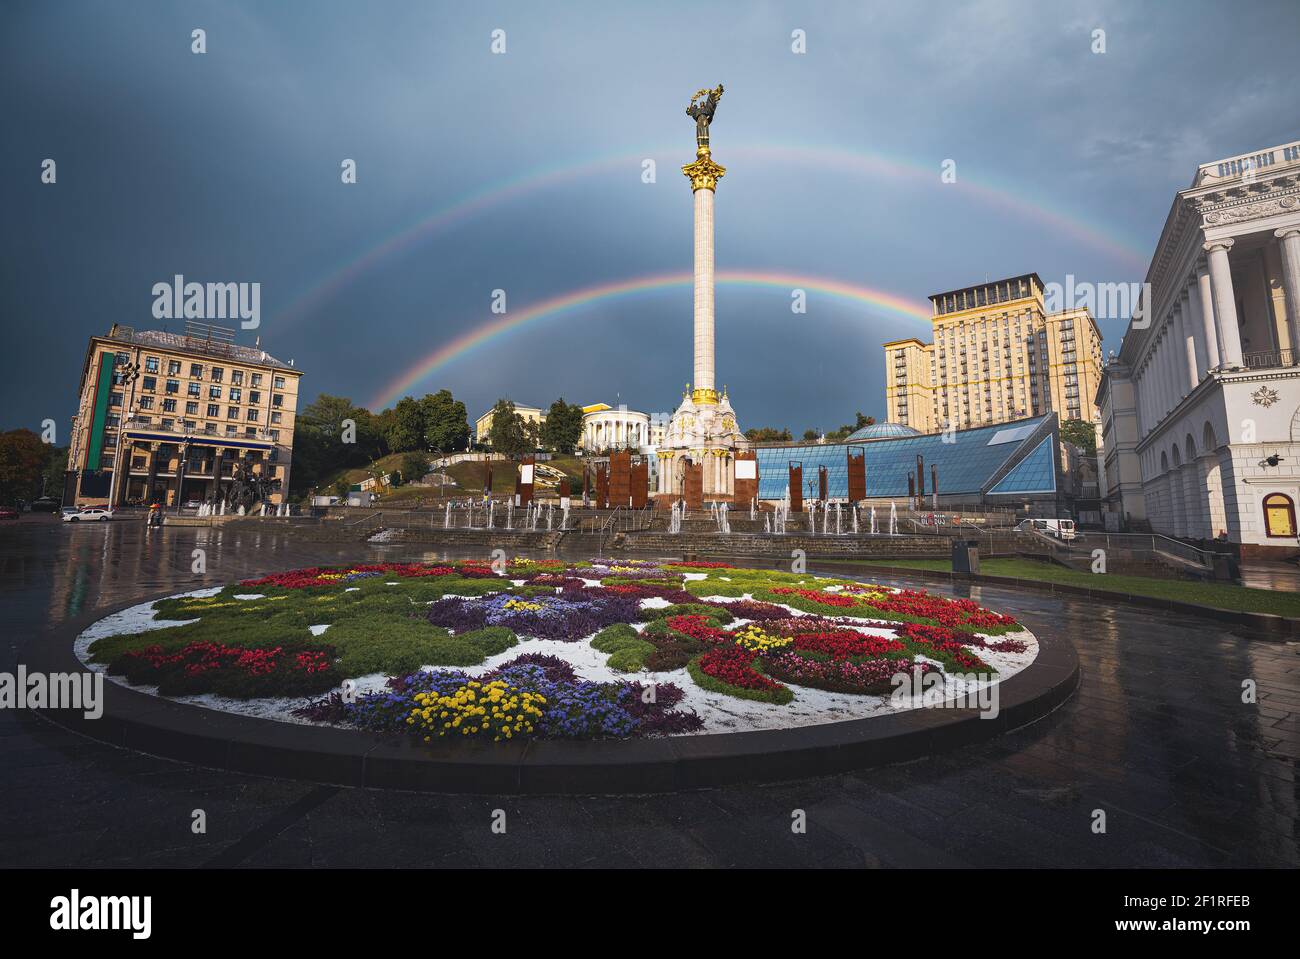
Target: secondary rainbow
(880, 301)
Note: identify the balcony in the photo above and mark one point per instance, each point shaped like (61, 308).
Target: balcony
(1247, 166)
(1270, 359)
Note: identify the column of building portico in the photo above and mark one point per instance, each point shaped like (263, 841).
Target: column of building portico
(1165, 357)
(1205, 293)
(1202, 314)
(1289, 243)
(1188, 340)
(1225, 305)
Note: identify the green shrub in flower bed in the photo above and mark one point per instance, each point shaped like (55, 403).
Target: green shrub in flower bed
(627, 651)
(716, 613)
(380, 642)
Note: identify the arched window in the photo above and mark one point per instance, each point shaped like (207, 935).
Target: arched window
(1279, 515)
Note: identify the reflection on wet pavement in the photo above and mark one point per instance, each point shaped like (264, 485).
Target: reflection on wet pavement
(1157, 735)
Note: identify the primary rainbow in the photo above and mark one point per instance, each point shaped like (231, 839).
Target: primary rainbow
(454, 349)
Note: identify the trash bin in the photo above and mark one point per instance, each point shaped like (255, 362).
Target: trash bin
(965, 556)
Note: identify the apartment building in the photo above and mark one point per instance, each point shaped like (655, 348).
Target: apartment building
(166, 417)
(997, 355)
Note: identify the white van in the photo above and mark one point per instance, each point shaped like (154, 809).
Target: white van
(1062, 529)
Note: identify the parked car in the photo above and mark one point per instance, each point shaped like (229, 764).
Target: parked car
(8, 512)
(192, 504)
(89, 514)
(46, 504)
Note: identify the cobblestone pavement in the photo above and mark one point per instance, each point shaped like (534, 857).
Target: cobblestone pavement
(1157, 736)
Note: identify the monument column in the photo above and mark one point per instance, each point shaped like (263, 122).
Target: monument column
(704, 175)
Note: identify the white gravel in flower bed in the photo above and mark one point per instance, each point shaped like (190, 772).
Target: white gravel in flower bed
(721, 713)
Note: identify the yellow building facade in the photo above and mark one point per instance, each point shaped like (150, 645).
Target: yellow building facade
(173, 418)
(996, 355)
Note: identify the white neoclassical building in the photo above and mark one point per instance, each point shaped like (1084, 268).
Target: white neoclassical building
(606, 428)
(1201, 407)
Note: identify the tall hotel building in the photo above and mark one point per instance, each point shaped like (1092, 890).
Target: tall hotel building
(165, 417)
(997, 356)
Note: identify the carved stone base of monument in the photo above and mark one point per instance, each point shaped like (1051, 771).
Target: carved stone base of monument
(796, 487)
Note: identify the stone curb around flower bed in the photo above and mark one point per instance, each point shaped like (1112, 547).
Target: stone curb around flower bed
(1269, 627)
(355, 758)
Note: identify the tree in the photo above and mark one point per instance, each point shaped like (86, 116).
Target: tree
(406, 431)
(1081, 433)
(332, 433)
(23, 460)
(768, 434)
(510, 434)
(810, 435)
(563, 427)
(55, 467)
(414, 466)
(863, 421)
(446, 422)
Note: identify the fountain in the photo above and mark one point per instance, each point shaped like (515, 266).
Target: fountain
(839, 531)
(446, 516)
(550, 514)
(675, 520)
(564, 517)
(874, 530)
(510, 513)
(855, 519)
(893, 519)
(767, 523)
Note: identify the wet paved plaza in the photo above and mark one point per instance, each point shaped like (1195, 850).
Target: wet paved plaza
(1157, 736)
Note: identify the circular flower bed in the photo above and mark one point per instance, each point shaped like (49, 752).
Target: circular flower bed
(555, 649)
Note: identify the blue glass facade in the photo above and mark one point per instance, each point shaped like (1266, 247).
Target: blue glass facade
(965, 466)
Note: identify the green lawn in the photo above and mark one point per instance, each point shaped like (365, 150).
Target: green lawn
(1222, 595)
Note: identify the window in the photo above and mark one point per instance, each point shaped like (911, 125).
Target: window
(257, 380)
(1279, 515)
(193, 389)
(232, 412)
(168, 423)
(196, 370)
(173, 367)
(236, 394)
(275, 417)
(144, 420)
(278, 382)
(250, 430)
(191, 409)
(254, 397)
(237, 377)
(217, 373)
(112, 421)
(149, 384)
(214, 409)
(169, 406)
(209, 427)
(146, 402)
(231, 429)
(214, 392)
(252, 416)
(173, 386)
(114, 399)
(151, 364)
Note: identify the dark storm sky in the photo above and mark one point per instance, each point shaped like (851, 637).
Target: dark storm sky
(225, 167)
